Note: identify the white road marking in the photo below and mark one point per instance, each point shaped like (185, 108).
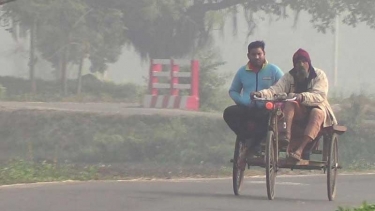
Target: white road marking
(278, 183)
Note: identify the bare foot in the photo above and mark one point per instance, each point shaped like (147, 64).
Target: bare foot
(295, 155)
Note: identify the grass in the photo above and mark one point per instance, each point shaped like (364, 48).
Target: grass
(364, 207)
(20, 171)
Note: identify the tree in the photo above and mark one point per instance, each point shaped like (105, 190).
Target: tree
(25, 19)
(164, 28)
(156, 28)
(211, 93)
(87, 29)
(68, 31)
(169, 28)
(322, 13)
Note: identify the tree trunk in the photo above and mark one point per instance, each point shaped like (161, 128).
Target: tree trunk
(32, 59)
(79, 78)
(64, 63)
(63, 72)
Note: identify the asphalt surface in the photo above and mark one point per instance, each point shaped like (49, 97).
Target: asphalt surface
(125, 109)
(292, 193)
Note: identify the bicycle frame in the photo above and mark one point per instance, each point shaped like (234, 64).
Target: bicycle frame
(274, 107)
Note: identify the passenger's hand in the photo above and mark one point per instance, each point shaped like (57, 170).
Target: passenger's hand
(299, 97)
(291, 95)
(257, 94)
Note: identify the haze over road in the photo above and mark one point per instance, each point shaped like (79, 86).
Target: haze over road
(292, 193)
(125, 109)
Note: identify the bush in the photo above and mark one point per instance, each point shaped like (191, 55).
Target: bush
(356, 146)
(95, 138)
(90, 137)
(2, 91)
(18, 89)
(363, 207)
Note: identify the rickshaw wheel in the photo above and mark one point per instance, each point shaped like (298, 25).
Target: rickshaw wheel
(332, 167)
(238, 173)
(271, 164)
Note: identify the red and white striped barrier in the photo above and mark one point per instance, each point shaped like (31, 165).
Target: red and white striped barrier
(173, 100)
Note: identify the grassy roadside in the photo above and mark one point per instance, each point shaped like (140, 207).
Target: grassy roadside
(19, 171)
(54, 146)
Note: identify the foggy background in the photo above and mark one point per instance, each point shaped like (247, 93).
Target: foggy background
(355, 59)
(103, 128)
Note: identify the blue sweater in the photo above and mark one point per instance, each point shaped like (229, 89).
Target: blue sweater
(248, 81)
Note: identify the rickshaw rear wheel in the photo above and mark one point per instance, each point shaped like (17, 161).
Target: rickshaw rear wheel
(332, 167)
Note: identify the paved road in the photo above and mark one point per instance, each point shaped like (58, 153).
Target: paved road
(125, 109)
(293, 193)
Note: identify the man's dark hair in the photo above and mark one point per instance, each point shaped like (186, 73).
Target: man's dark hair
(256, 44)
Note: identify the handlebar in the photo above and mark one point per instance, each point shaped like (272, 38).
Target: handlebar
(259, 98)
(274, 99)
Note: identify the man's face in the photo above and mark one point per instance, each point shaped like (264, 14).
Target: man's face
(302, 66)
(256, 57)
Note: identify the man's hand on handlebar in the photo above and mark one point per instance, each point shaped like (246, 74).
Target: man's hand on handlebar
(255, 94)
(281, 96)
(299, 97)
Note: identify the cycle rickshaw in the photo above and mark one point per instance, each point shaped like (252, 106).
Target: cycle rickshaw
(272, 161)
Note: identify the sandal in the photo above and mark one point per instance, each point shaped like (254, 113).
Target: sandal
(295, 156)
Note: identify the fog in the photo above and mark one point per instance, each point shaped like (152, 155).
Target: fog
(106, 126)
(355, 57)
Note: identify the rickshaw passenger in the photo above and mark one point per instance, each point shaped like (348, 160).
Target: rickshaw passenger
(257, 74)
(310, 87)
